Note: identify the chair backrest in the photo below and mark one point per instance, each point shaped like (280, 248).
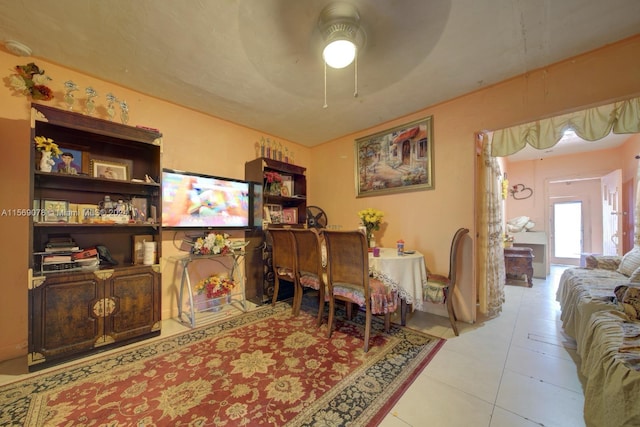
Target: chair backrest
(347, 259)
(283, 248)
(453, 255)
(308, 250)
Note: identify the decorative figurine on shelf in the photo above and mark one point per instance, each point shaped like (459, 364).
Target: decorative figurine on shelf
(268, 152)
(90, 105)
(48, 149)
(69, 99)
(286, 154)
(124, 112)
(111, 111)
(262, 147)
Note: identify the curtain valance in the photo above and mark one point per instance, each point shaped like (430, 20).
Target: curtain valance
(590, 124)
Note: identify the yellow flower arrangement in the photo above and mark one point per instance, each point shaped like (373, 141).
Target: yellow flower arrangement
(215, 286)
(47, 144)
(371, 218)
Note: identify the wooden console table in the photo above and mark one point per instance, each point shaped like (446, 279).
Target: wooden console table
(519, 261)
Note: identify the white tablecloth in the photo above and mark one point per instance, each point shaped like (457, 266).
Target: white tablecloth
(406, 273)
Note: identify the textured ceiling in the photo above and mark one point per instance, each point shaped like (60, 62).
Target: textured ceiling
(258, 62)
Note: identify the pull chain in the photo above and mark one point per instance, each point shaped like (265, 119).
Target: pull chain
(325, 85)
(355, 92)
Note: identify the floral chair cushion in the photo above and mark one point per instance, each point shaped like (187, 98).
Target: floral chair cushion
(309, 280)
(384, 299)
(435, 289)
(283, 271)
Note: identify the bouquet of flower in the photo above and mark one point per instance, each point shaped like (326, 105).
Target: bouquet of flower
(215, 286)
(212, 244)
(274, 182)
(371, 219)
(30, 80)
(47, 144)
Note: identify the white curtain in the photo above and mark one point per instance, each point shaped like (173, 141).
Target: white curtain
(490, 254)
(591, 124)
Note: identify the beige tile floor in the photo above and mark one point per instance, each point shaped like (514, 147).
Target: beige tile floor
(516, 370)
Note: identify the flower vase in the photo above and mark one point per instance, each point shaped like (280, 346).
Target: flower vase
(274, 188)
(371, 241)
(46, 162)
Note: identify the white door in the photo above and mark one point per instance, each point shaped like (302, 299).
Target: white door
(612, 213)
(567, 238)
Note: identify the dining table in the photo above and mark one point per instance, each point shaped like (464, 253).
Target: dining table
(405, 272)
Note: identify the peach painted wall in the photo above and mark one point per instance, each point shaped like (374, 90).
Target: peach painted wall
(191, 141)
(537, 174)
(426, 220)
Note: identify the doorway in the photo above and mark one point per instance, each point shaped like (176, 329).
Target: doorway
(568, 232)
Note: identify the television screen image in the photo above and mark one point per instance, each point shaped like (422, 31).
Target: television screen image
(191, 200)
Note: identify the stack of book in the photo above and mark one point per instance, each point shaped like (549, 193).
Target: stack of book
(63, 254)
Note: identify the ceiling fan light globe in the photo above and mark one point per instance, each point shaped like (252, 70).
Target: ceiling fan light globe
(339, 53)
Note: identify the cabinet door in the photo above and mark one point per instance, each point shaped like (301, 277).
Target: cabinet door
(136, 293)
(63, 321)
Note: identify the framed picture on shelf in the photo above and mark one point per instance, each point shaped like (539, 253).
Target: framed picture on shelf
(290, 216)
(275, 213)
(55, 211)
(286, 189)
(107, 169)
(72, 162)
(396, 160)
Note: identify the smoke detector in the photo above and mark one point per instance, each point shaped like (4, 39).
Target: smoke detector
(17, 48)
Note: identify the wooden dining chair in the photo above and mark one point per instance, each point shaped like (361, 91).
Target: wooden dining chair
(309, 272)
(283, 258)
(348, 280)
(438, 284)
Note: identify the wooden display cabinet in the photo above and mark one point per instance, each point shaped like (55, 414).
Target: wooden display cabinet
(259, 269)
(84, 310)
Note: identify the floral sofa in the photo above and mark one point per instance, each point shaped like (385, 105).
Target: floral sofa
(601, 311)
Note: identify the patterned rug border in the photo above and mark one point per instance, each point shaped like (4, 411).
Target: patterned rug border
(373, 412)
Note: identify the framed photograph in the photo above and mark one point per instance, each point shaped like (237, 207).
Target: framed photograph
(109, 170)
(290, 216)
(72, 162)
(395, 160)
(286, 189)
(275, 213)
(55, 211)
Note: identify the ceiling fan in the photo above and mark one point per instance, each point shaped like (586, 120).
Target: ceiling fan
(396, 42)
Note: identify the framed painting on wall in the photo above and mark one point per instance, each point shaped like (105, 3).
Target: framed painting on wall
(396, 160)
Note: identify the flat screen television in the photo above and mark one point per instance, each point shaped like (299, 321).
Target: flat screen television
(194, 200)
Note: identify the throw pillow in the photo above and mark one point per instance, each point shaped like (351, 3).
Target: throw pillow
(619, 292)
(635, 276)
(630, 262)
(631, 302)
(604, 262)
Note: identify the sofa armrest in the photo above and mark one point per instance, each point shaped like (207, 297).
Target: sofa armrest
(604, 262)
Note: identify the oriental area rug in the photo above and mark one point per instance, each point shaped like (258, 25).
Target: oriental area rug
(261, 368)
